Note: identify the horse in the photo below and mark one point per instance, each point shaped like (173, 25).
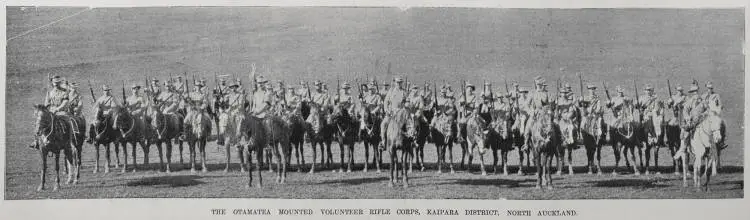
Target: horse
(370, 136)
(423, 131)
(230, 133)
(131, 130)
(278, 134)
(705, 141)
(520, 121)
(567, 121)
(672, 131)
(624, 137)
(652, 136)
(54, 133)
(500, 138)
(101, 132)
(443, 136)
(592, 134)
(295, 121)
(254, 136)
(545, 137)
(318, 134)
(197, 129)
(166, 127)
(477, 138)
(345, 130)
(398, 131)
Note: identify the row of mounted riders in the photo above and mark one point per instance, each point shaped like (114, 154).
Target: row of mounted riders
(278, 134)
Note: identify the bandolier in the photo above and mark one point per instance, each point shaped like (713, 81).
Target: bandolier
(394, 100)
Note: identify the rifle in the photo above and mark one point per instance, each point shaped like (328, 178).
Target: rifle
(434, 96)
(669, 88)
(580, 83)
(338, 89)
(93, 97)
(636, 94)
(123, 94)
(463, 91)
(606, 91)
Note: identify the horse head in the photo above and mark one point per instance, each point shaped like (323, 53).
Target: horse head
(44, 122)
(478, 130)
(543, 127)
(500, 123)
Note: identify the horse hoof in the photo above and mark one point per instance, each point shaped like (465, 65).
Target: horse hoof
(590, 172)
(365, 170)
(484, 173)
(647, 172)
(377, 171)
(133, 170)
(106, 171)
(123, 171)
(538, 187)
(406, 185)
(243, 171)
(168, 171)
(657, 173)
(341, 170)
(390, 184)
(226, 170)
(96, 171)
(259, 186)
(40, 188)
(550, 187)
(678, 173)
(453, 171)
(349, 171)
(422, 169)
(192, 170)
(56, 188)
(599, 173)
(637, 173)
(520, 173)
(204, 170)
(614, 173)
(684, 185)
(409, 171)
(714, 174)
(571, 173)
(559, 173)
(299, 170)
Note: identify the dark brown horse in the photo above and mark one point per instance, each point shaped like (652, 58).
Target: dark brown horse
(278, 138)
(520, 121)
(197, 129)
(593, 132)
(545, 139)
(443, 136)
(254, 137)
(423, 131)
(625, 137)
(500, 138)
(346, 128)
(167, 128)
(370, 136)
(54, 133)
(102, 133)
(295, 121)
(319, 134)
(131, 130)
(567, 121)
(399, 129)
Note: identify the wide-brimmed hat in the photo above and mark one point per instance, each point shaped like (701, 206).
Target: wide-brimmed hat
(346, 86)
(515, 85)
(135, 86)
(386, 83)
(105, 88)
(619, 89)
(567, 86)
(260, 79)
(591, 87)
(563, 91)
(523, 90)
(693, 88)
(709, 85)
(679, 88)
(398, 79)
(469, 85)
(155, 80)
(648, 88)
(57, 79)
(539, 80)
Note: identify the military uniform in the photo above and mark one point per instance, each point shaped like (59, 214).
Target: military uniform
(136, 103)
(75, 103)
(346, 101)
(693, 110)
(394, 100)
(591, 111)
(261, 100)
(195, 103)
(170, 101)
(712, 100)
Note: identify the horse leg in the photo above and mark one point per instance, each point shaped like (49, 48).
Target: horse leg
(117, 154)
(43, 170)
(145, 147)
(228, 150)
(656, 159)
(520, 162)
(329, 159)
(341, 156)
(464, 149)
(241, 154)
(715, 164)
(632, 156)
(392, 168)
(616, 150)
(481, 162)
(179, 146)
(450, 156)
(108, 162)
(279, 162)
(697, 163)
(124, 146)
(570, 161)
(647, 155)
(560, 156)
(301, 147)
(193, 154)
(315, 154)
(57, 171)
(351, 158)
(598, 159)
(538, 164)
(494, 161)
(259, 157)
(69, 163)
(202, 148)
(590, 152)
(169, 155)
(548, 174)
(411, 160)
(367, 156)
(133, 147)
(96, 156)
(504, 155)
(248, 155)
(421, 157)
(405, 177)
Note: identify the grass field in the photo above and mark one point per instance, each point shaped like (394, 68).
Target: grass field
(616, 46)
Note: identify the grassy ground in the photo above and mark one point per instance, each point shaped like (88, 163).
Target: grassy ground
(127, 45)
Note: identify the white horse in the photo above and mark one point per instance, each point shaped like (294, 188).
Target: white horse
(704, 145)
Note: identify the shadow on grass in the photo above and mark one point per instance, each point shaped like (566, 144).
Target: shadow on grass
(737, 184)
(640, 183)
(506, 183)
(171, 181)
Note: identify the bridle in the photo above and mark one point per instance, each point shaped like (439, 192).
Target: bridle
(51, 125)
(132, 125)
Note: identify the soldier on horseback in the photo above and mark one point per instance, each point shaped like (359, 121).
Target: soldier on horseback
(197, 101)
(591, 109)
(261, 100)
(566, 114)
(415, 102)
(692, 114)
(136, 103)
(346, 101)
(59, 101)
(320, 96)
(712, 100)
(468, 105)
(649, 104)
(155, 87)
(394, 100)
(617, 105)
(445, 107)
(536, 101)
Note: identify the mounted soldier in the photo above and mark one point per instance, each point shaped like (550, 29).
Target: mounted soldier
(345, 100)
(320, 96)
(75, 103)
(591, 109)
(106, 103)
(58, 102)
(467, 106)
(487, 103)
(538, 99)
(155, 89)
(135, 103)
(180, 86)
(372, 101)
(712, 100)
(196, 100)
(445, 108)
(386, 89)
(692, 114)
(567, 115)
(415, 102)
(261, 100)
(617, 105)
(169, 99)
(394, 100)
(649, 104)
